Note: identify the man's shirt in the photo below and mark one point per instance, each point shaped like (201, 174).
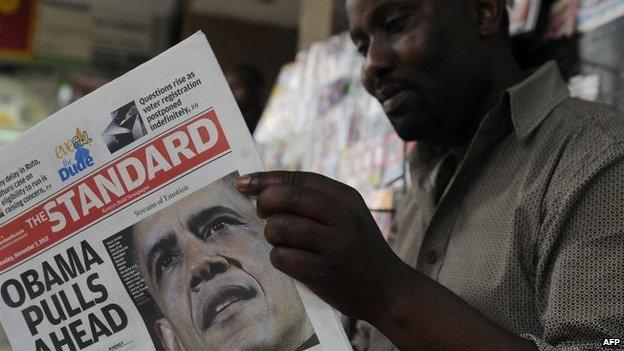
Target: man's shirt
(526, 223)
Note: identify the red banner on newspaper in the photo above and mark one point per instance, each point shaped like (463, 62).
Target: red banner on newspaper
(111, 187)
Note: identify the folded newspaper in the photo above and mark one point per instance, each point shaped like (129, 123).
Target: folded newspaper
(120, 228)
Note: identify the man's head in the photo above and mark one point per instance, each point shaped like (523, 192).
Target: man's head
(206, 264)
(247, 84)
(429, 62)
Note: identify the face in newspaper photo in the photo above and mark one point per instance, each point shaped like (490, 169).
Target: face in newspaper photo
(126, 127)
(205, 262)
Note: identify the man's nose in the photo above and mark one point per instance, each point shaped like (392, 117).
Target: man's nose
(378, 62)
(205, 266)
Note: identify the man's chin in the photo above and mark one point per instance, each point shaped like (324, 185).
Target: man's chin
(256, 337)
(413, 128)
(246, 324)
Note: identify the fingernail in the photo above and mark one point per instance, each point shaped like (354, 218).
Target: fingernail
(242, 182)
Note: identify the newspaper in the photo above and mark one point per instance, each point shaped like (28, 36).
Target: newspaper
(120, 228)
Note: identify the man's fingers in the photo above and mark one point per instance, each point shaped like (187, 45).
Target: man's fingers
(307, 267)
(255, 183)
(297, 200)
(296, 232)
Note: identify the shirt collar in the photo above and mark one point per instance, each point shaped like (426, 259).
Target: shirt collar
(535, 97)
(530, 102)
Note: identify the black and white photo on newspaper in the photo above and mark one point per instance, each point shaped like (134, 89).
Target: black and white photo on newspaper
(205, 265)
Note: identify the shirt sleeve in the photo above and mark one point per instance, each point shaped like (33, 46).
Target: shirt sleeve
(579, 258)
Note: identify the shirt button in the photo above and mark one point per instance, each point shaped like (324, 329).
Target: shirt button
(431, 257)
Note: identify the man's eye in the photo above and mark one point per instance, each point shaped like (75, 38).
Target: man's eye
(218, 225)
(362, 49)
(396, 24)
(164, 262)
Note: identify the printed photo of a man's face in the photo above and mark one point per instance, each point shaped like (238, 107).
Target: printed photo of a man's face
(206, 264)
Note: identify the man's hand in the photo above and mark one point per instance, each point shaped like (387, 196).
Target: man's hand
(324, 236)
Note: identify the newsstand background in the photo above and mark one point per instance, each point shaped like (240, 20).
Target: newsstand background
(318, 116)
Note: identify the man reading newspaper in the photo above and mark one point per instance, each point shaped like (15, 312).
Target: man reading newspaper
(512, 233)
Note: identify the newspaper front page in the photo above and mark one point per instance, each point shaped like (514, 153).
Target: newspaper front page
(120, 228)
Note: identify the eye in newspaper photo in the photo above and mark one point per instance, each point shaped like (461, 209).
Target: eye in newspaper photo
(126, 127)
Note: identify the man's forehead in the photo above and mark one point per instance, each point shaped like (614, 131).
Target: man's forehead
(162, 222)
(354, 6)
(359, 12)
(363, 7)
(146, 233)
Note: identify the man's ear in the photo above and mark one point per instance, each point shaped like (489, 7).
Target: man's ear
(167, 335)
(489, 16)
